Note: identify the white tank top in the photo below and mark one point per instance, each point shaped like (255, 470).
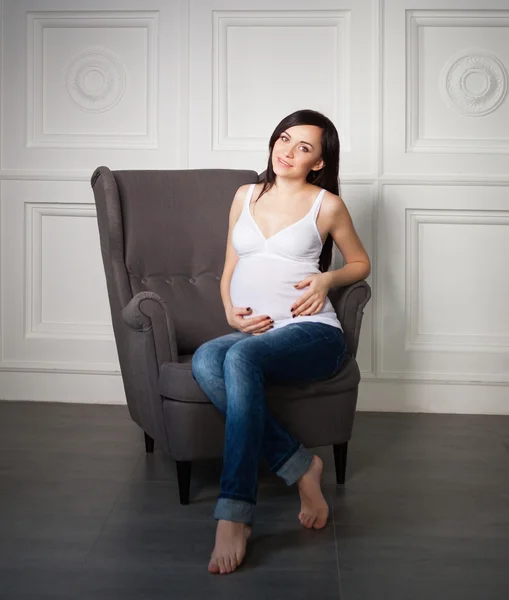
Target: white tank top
(267, 269)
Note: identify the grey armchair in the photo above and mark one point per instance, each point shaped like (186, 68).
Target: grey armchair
(163, 240)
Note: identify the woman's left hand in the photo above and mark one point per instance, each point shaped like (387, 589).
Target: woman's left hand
(314, 298)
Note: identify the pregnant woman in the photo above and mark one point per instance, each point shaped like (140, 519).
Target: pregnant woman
(274, 290)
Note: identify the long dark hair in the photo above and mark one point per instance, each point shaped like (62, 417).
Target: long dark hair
(327, 177)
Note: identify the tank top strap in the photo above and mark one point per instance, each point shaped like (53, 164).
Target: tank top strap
(249, 195)
(316, 206)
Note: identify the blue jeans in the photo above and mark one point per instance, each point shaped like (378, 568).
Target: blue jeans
(232, 371)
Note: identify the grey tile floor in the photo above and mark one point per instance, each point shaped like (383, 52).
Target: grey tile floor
(86, 514)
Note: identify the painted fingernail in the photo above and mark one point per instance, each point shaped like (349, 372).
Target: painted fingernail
(294, 316)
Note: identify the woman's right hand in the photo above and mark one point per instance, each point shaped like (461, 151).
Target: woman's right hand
(253, 325)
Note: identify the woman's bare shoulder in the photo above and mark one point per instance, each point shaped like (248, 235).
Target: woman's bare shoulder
(244, 187)
(332, 203)
(241, 192)
(333, 209)
(238, 201)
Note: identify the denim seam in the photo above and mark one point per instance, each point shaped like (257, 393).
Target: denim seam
(237, 497)
(286, 459)
(230, 509)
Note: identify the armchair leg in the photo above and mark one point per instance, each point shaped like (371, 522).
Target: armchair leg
(184, 479)
(340, 453)
(149, 443)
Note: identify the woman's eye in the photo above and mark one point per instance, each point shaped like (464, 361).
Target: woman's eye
(284, 138)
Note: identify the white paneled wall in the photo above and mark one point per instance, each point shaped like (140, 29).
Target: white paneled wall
(443, 295)
(55, 312)
(418, 93)
(252, 63)
(82, 88)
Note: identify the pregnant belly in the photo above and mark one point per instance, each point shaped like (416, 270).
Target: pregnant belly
(266, 285)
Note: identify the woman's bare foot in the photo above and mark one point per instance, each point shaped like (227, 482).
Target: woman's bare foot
(314, 508)
(230, 548)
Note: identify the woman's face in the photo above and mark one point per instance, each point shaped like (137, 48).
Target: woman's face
(300, 148)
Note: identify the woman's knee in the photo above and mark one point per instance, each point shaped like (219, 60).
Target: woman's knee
(245, 352)
(203, 360)
(208, 358)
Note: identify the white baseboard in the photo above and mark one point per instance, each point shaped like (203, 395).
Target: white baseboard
(424, 397)
(62, 387)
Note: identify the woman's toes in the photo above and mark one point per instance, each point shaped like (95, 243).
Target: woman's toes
(230, 547)
(226, 565)
(230, 564)
(320, 522)
(307, 521)
(222, 566)
(213, 566)
(233, 562)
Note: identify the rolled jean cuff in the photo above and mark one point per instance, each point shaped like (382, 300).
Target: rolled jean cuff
(295, 467)
(230, 509)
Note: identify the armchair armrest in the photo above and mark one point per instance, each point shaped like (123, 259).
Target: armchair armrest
(147, 310)
(349, 302)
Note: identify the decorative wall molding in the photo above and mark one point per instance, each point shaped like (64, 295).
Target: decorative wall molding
(45, 175)
(386, 179)
(95, 81)
(447, 179)
(35, 326)
(453, 84)
(30, 175)
(59, 368)
(222, 20)
(405, 350)
(416, 339)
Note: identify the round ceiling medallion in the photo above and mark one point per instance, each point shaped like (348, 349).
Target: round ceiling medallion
(96, 80)
(474, 84)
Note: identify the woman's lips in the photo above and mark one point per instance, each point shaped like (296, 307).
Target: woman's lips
(283, 164)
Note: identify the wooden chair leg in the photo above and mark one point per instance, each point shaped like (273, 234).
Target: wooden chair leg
(340, 454)
(184, 479)
(149, 443)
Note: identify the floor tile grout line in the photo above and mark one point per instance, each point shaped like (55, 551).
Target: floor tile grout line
(337, 551)
(115, 502)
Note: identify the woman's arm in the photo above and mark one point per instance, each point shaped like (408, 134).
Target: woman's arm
(231, 257)
(342, 230)
(346, 239)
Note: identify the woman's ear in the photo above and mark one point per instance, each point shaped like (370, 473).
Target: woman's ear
(319, 165)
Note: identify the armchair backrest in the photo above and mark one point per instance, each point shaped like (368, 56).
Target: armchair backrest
(165, 231)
